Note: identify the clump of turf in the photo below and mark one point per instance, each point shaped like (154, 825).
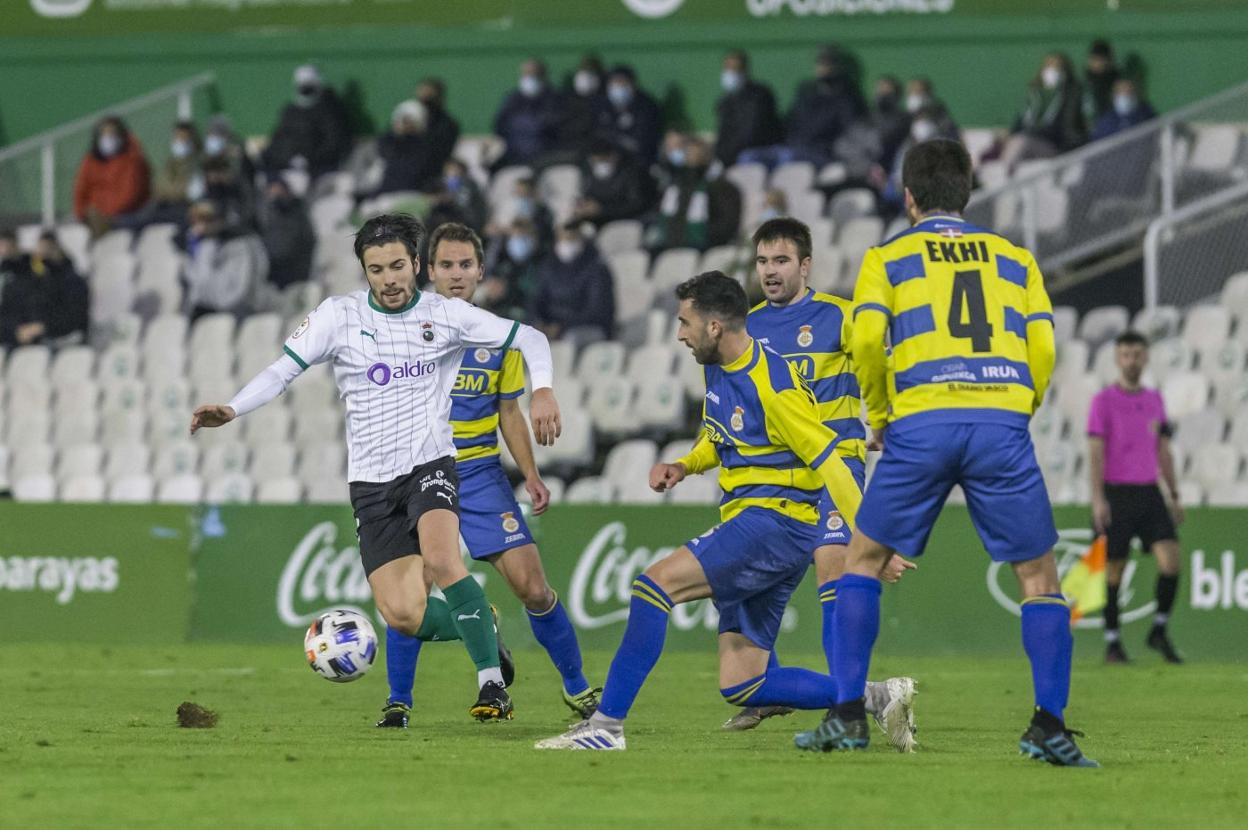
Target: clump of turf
(194, 716)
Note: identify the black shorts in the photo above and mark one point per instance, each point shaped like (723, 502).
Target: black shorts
(386, 514)
(1136, 510)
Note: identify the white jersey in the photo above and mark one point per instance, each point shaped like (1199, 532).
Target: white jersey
(395, 370)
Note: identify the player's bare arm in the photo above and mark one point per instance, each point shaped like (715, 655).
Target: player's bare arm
(515, 435)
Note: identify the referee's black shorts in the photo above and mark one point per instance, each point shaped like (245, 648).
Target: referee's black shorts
(386, 513)
(1136, 511)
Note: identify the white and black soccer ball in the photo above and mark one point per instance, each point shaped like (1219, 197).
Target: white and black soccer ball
(340, 645)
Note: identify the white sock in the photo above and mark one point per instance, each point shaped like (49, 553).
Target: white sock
(1111, 635)
(486, 675)
(612, 725)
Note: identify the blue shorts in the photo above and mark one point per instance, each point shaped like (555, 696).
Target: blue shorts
(490, 520)
(834, 530)
(996, 466)
(754, 562)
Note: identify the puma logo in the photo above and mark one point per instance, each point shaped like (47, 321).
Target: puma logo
(475, 615)
(371, 335)
(449, 500)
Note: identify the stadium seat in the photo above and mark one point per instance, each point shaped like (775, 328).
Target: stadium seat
(124, 426)
(171, 394)
(163, 346)
(1226, 364)
(671, 268)
(599, 360)
(1206, 327)
(630, 460)
(749, 178)
(323, 460)
(554, 484)
(857, 235)
(637, 491)
(502, 185)
(77, 427)
(1195, 429)
(272, 461)
(231, 488)
(1215, 149)
(1072, 361)
(1191, 493)
(120, 361)
(722, 258)
(1234, 297)
(37, 487)
(628, 267)
(610, 404)
(674, 449)
(1166, 357)
(132, 489)
(29, 366)
(112, 243)
(27, 426)
(1065, 321)
(1185, 393)
(1231, 396)
(1216, 465)
(1102, 324)
(1157, 323)
(279, 491)
(618, 237)
(83, 488)
(558, 186)
(157, 284)
(224, 458)
(827, 270)
(266, 425)
(661, 327)
(155, 240)
(73, 364)
(1230, 495)
(808, 206)
(30, 458)
(112, 296)
(692, 377)
(575, 447)
(76, 397)
(186, 488)
(850, 204)
(75, 238)
(174, 458)
(322, 423)
(1237, 435)
(660, 403)
(655, 360)
(327, 491)
(632, 300)
(216, 364)
(212, 332)
(1075, 397)
(563, 356)
(590, 490)
(793, 177)
(314, 388)
(697, 489)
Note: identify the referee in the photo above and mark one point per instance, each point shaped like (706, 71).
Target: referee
(1128, 446)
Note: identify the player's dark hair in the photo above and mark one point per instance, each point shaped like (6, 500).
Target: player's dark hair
(455, 232)
(716, 294)
(1131, 338)
(387, 228)
(938, 175)
(785, 228)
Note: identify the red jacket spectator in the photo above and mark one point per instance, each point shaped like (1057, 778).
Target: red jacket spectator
(114, 177)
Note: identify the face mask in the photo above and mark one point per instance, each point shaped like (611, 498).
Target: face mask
(585, 82)
(731, 80)
(525, 207)
(602, 169)
(519, 248)
(915, 102)
(109, 145)
(214, 144)
(620, 94)
(768, 214)
(676, 157)
(568, 250)
(305, 96)
(1124, 104)
(454, 182)
(922, 130)
(886, 103)
(530, 86)
(1051, 76)
(195, 189)
(180, 148)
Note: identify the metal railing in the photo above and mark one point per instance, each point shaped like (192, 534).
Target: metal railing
(1196, 248)
(37, 173)
(1104, 195)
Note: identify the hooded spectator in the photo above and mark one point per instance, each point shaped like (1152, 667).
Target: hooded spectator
(312, 133)
(1128, 110)
(585, 110)
(459, 198)
(699, 209)
(43, 300)
(406, 151)
(613, 186)
(1100, 73)
(114, 177)
(441, 131)
(288, 236)
(1052, 118)
(224, 267)
(746, 112)
(524, 203)
(511, 262)
(575, 294)
(529, 117)
(632, 120)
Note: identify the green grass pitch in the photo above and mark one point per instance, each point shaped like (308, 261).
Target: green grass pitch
(88, 739)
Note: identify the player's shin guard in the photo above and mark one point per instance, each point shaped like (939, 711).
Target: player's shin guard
(401, 654)
(438, 624)
(1048, 643)
(827, 601)
(554, 631)
(797, 688)
(857, 625)
(639, 650)
(470, 614)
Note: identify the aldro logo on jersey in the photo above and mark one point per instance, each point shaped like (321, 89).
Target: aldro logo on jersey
(805, 337)
(382, 373)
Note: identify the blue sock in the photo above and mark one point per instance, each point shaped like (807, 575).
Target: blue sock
(827, 601)
(799, 688)
(1049, 643)
(554, 631)
(401, 654)
(639, 650)
(857, 624)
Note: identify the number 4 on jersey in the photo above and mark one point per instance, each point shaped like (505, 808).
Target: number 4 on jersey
(968, 294)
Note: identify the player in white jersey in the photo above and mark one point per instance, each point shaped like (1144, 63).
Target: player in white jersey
(396, 354)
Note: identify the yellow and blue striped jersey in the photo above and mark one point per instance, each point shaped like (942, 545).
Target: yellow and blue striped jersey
(969, 322)
(485, 377)
(761, 426)
(813, 334)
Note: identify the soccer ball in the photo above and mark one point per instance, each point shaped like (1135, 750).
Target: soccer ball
(341, 645)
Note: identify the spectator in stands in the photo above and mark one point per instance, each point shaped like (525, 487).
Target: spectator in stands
(232, 193)
(1128, 110)
(632, 121)
(523, 204)
(441, 130)
(114, 178)
(924, 126)
(699, 209)
(175, 180)
(406, 152)
(585, 110)
(1052, 118)
(312, 133)
(225, 266)
(574, 295)
(921, 96)
(288, 236)
(613, 186)
(775, 205)
(44, 299)
(459, 199)
(529, 118)
(746, 112)
(511, 261)
(823, 109)
(868, 147)
(1099, 76)
(222, 144)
